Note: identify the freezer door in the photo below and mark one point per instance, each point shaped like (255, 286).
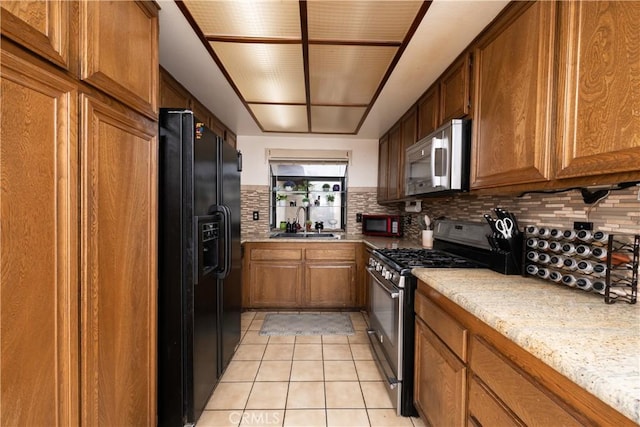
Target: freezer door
(204, 375)
(205, 169)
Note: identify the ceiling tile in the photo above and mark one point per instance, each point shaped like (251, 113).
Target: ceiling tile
(361, 20)
(264, 72)
(349, 75)
(336, 119)
(281, 118)
(290, 58)
(264, 19)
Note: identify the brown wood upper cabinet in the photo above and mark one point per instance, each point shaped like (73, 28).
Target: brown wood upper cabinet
(429, 111)
(455, 96)
(513, 97)
(172, 93)
(395, 156)
(122, 63)
(391, 157)
(556, 98)
(598, 88)
(383, 168)
(448, 98)
(42, 27)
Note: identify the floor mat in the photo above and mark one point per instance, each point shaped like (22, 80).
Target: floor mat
(307, 324)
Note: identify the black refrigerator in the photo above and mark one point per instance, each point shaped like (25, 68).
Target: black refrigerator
(199, 264)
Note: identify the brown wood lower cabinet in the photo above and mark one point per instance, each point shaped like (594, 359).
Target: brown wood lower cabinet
(530, 403)
(302, 275)
(495, 382)
(275, 284)
(440, 380)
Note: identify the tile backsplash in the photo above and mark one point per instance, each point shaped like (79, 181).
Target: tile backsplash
(618, 213)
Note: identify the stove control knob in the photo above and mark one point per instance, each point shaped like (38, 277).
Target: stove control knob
(379, 267)
(391, 276)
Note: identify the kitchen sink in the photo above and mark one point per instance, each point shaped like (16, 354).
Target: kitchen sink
(285, 235)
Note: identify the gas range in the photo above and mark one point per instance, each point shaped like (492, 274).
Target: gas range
(456, 245)
(391, 288)
(403, 260)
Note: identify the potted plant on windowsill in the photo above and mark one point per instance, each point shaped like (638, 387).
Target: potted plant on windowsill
(330, 199)
(281, 199)
(305, 201)
(326, 187)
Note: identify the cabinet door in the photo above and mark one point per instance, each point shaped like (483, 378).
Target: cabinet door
(40, 26)
(486, 410)
(395, 151)
(440, 380)
(383, 169)
(275, 284)
(513, 88)
(118, 284)
(599, 88)
(120, 51)
(330, 285)
(38, 247)
(409, 135)
(230, 138)
(429, 111)
(172, 94)
(529, 401)
(454, 90)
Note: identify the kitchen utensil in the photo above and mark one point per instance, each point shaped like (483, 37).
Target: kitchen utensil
(505, 227)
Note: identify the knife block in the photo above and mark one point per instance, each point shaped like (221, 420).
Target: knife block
(509, 262)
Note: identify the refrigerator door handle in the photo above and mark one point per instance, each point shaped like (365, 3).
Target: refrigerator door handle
(224, 211)
(226, 214)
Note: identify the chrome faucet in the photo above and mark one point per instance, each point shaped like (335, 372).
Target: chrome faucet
(304, 218)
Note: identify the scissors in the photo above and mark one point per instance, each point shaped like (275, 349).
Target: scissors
(505, 227)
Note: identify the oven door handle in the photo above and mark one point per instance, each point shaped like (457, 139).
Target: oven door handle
(381, 361)
(392, 291)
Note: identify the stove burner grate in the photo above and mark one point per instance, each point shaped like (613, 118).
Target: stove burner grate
(411, 258)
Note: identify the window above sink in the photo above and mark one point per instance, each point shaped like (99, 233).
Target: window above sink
(319, 188)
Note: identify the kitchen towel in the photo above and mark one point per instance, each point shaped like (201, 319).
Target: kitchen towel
(307, 324)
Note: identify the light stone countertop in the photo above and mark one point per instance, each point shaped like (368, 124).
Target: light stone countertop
(594, 344)
(370, 241)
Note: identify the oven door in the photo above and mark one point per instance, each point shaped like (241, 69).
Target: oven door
(385, 332)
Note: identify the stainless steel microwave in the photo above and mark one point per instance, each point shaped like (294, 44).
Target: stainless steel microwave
(440, 161)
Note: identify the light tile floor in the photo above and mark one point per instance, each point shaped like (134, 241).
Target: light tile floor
(328, 380)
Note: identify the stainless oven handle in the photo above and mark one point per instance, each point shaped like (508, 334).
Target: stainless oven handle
(381, 362)
(392, 291)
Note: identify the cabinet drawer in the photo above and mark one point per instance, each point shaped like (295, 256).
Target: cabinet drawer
(446, 327)
(277, 255)
(529, 401)
(338, 254)
(485, 410)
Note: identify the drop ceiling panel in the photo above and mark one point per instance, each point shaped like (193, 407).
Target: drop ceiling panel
(361, 20)
(291, 61)
(333, 71)
(336, 119)
(281, 118)
(264, 72)
(263, 19)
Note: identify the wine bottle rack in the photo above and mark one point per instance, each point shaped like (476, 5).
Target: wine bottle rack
(596, 262)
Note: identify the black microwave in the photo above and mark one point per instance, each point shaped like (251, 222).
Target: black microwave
(381, 225)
